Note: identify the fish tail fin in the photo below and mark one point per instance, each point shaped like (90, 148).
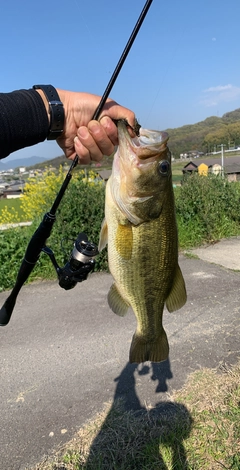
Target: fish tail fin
(142, 350)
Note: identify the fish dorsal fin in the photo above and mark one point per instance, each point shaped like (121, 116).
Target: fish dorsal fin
(178, 296)
(103, 237)
(124, 241)
(116, 302)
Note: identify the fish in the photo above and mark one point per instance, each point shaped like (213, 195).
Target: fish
(140, 231)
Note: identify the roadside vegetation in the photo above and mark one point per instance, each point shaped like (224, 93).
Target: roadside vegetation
(197, 429)
(81, 210)
(207, 209)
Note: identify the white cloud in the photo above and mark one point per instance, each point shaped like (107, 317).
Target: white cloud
(217, 88)
(219, 94)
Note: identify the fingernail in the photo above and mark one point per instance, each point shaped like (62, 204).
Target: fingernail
(94, 126)
(83, 132)
(105, 120)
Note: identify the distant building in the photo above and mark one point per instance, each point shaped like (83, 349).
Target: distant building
(203, 169)
(189, 168)
(13, 190)
(232, 170)
(22, 169)
(216, 169)
(192, 154)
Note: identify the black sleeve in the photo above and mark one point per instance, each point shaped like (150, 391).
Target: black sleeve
(23, 120)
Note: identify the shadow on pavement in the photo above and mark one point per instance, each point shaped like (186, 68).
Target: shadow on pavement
(133, 436)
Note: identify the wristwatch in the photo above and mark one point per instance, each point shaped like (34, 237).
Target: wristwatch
(56, 110)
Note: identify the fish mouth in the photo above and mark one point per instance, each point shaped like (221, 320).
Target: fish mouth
(147, 144)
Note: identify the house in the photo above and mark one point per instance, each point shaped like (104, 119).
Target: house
(189, 168)
(192, 154)
(13, 190)
(22, 169)
(232, 170)
(216, 169)
(203, 169)
(3, 186)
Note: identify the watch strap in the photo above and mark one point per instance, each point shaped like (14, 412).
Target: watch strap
(56, 111)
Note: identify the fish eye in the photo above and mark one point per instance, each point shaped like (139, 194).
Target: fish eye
(164, 167)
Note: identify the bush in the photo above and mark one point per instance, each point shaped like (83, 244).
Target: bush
(81, 210)
(12, 243)
(207, 209)
(40, 192)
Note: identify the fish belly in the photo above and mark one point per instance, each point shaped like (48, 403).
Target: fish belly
(142, 261)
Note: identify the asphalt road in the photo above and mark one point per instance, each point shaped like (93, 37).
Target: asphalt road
(65, 354)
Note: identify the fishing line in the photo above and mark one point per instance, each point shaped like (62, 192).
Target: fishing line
(91, 34)
(97, 48)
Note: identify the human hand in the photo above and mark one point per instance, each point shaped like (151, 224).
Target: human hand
(87, 138)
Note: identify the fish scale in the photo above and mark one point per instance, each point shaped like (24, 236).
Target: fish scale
(143, 256)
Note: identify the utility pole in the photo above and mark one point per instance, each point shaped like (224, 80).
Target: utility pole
(222, 158)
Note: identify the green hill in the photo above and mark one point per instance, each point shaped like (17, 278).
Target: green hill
(54, 162)
(62, 160)
(206, 135)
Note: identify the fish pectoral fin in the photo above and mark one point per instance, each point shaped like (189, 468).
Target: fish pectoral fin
(124, 241)
(116, 302)
(178, 296)
(103, 237)
(142, 349)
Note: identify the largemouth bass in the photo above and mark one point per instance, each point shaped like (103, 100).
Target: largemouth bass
(141, 232)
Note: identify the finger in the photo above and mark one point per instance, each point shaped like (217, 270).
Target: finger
(110, 129)
(82, 152)
(104, 140)
(89, 143)
(115, 111)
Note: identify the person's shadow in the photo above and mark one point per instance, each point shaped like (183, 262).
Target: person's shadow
(134, 437)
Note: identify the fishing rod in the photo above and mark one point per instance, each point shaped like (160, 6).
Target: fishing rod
(82, 258)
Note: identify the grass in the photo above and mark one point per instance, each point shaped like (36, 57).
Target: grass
(190, 255)
(197, 429)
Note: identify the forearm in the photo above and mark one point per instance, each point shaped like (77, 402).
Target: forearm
(24, 120)
(28, 117)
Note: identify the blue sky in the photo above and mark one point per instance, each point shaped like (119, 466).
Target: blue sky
(184, 65)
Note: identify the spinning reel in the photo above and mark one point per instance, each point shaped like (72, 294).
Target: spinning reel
(79, 265)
